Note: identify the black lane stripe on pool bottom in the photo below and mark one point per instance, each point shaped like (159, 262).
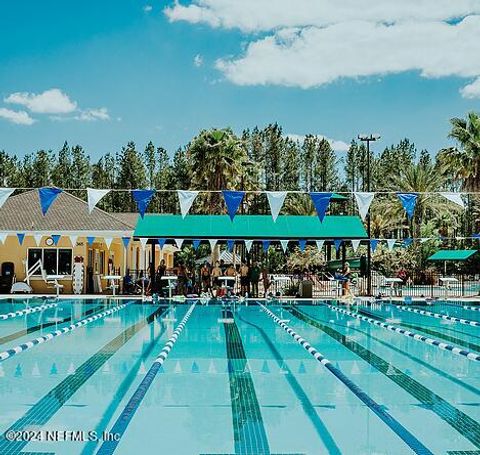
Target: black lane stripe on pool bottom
(250, 437)
(465, 425)
(307, 406)
(451, 339)
(47, 406)
(45, 325)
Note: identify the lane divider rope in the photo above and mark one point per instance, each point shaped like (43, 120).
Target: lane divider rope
(430, 341)
(473, 308)
(440, 316)
(394, 425)
(121, 424)
(43, 339)
(26, 311)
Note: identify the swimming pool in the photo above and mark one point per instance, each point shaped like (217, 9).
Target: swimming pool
(235, 381)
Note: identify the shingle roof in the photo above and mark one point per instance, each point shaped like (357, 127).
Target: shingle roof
(68, 213)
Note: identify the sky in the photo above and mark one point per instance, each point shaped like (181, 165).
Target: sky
(102, 73)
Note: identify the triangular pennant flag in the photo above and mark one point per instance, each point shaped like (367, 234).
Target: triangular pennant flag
(38, 239)
(408, 200)
(143, 242)
(321, 201)
(338, 244)
(456, 198)
(213, 243)
(355, 245)
(230, 244)
(73, 239)
(320, 244)
(21, 237)
(186, 198)
(47, 196)
(195, 368)
(391, 243)
(3, 237)
(161, 242)
(126, 241)
(284, 244)
(233, 199)
(265, 367)
(179, 243)
(275, 201)
(55, 238)
(142, 198)
(5, 193)
(407, 242)
(248, 245)
(364, 201)
(302, 243)
(265, 245)
(301, 368)
(373, 244)
(94, 196)
(196, 244)
(90, 240)
(108, 241)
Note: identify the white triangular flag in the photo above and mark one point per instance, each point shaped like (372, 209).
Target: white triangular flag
(5, 194)
(319, 244)
(94, 196)
(276, 200)
(363, 202)
(143, 242)
(108, 241)
(3, 237)
(248, 245)
(284, 244)
(186, 198)
(213, 243)
(391, 243)
(38, 238)
(456, 198)
(73, 239)
(355, 245)
(179, 243)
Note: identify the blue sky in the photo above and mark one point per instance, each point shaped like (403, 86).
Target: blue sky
(103, 73)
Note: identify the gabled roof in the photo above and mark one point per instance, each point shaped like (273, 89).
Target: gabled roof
(253, 227)
(452, 255)
(22, 213)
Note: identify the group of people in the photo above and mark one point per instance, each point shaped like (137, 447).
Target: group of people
(197, 280)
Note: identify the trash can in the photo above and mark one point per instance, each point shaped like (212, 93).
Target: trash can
(306, 289)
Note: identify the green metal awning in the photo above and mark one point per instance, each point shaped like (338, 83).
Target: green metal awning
(254, 227)
(452, 255)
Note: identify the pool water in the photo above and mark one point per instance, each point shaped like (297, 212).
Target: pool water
(235, 382)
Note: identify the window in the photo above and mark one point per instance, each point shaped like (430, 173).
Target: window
(55, 261)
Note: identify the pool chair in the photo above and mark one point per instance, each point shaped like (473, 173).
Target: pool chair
(52, 281)
(7, 277)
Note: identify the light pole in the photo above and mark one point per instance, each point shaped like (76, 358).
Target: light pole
(369, 138)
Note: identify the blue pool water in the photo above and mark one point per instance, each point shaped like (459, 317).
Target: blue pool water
(235, 382)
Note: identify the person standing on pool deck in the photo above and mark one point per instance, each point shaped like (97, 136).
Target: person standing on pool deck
(244, 279)
(254, 278)
(346, 272)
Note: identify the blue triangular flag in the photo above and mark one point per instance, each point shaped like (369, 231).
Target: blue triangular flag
(47, 196)
(338, 244)
(265, 367)
(302, 243)
(230, 244)
(301, 368)
(408, 200)
(230, 367)
(142, 198)
(18, 371)
(196, 244)
(321, 201)
(20, 236)
(373, 244)
(407, 242)
(53, 370)
(90, 240)
(266, 245)
(233, 199)
(161, 242)
(195, 368)
(55, 238)
(126, 241)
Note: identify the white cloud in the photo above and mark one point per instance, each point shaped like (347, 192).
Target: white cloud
(198, 60)
(338, 146)
(147, 8)
(90, 115)
(312, 56)
(18, 117)
(52, 101)
(472, 90)
(265, 15)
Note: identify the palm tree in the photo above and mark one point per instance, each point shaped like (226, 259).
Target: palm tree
(463, 163)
